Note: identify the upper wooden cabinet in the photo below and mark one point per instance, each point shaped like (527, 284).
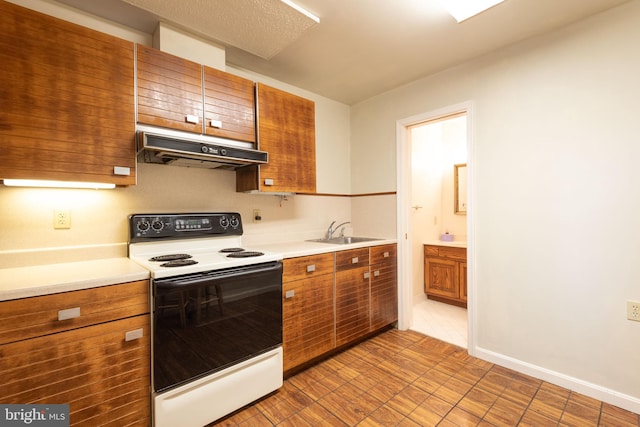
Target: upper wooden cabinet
(286, 130)
(179, 94)
(67, 100)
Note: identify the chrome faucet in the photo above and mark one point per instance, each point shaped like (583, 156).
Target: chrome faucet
(333, 229)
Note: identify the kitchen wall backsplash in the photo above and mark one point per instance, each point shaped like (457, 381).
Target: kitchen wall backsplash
(99, 217)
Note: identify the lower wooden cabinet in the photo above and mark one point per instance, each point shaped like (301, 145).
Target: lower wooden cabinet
(307, 307)
(384, 285)
(445, 274)
(101, 368)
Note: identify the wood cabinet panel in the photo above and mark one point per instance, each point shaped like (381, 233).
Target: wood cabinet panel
(231, 101)
(169, 89)
(445, 274)
(68, 91)
(31, 317)
(102, 376)
(352, 304)
(308, 325)
(352, 258)
(307, 266)
(384, 285)
(286, 130)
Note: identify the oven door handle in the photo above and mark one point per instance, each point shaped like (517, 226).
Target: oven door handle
(200, 278)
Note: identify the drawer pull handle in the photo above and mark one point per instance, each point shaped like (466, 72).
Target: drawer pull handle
(69, 313)
(386, 255)
(354, 260)
(311, 268)
(376, 273)
(289, 294)
(190, 118)
(367, 275)
(216, 124)
(134, 335)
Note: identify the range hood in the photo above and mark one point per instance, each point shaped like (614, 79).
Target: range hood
(169, 147)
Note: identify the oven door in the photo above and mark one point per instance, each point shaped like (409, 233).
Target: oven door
(205, 322)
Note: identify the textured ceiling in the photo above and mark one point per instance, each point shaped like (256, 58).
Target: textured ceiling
(260, 27)
(360, 48)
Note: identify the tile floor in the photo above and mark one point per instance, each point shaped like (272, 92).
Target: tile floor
(404, 378)
(443, 321)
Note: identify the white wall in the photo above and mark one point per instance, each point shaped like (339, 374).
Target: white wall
(555, 149)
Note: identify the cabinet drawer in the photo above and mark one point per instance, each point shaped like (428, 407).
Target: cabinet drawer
(445, 252)
(352, 258)
(30, 317)
(307, 266)
(382, 254)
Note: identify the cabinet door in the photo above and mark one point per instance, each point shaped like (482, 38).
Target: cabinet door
(308, 325)
(67, 103)
(229, 106)
(286, 130)
(441, 277)
(103, 377)
(462, 275)
(384, 294)
(352, 304)
(169, 90)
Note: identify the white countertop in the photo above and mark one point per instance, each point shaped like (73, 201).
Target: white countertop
(23, 282)
(454, 244)
(304, 248)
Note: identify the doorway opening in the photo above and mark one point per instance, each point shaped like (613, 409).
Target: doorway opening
(432, 147)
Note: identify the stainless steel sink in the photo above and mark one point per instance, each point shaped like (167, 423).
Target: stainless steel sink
(344, 240)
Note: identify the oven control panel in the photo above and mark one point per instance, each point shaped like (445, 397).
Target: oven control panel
(148, 227)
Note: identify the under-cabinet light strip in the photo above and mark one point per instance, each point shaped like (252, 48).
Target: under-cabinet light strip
(56, 184)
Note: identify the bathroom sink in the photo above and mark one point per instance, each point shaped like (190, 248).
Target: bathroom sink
(344, 240)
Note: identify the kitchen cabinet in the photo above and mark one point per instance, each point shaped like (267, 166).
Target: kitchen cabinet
(88, 348)
(308, 308)
(180, 94)
(286, 130)
(384, 285)
(67, 107)
(352, 295)
(445, 274)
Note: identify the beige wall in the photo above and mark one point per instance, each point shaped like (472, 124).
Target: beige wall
(555, 201)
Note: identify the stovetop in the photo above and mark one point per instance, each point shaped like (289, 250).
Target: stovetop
(199, 239)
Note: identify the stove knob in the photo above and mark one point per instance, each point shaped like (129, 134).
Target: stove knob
(157, 225)
(235, 221)
(224, 222)
(143, 225)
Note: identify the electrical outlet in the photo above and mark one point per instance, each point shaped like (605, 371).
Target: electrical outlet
(633, 310)
(61, 218)
(257, 217)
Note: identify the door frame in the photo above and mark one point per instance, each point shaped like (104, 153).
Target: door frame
(403, 226)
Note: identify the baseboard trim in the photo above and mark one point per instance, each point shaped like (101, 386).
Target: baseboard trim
(595, 391)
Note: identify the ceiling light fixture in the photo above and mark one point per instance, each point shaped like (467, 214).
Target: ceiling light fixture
(56, 184)
(465, 9)
(302, 10)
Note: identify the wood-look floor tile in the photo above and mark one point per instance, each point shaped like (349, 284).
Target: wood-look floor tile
(478, 402)
(504, 413)
(405, 379)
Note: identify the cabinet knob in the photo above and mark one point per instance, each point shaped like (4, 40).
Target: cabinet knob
(121, 170)
(386, 255)
(69, 313)
(290, 294)
(190, 118)
(134, 335)
(376, 273)
(311, 268)
(366, 275)
(354, 260)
